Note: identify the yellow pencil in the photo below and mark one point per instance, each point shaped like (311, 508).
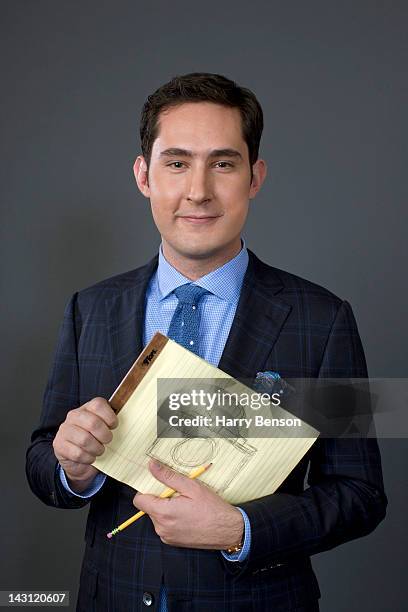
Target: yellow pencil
(166, 493)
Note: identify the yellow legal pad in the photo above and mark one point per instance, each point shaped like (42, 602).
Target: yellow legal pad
(244, 466)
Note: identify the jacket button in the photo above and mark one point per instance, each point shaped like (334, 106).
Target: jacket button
(147, 599)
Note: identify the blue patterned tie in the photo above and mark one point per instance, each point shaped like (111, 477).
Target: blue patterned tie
(185, 323)
(184, 327)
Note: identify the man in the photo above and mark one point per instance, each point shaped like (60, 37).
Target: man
(200, 138)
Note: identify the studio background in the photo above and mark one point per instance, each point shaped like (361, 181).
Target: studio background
(332, 80)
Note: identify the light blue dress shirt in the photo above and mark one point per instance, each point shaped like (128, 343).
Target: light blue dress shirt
(217, 313)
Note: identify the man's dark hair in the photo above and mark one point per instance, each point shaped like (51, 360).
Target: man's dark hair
(202, 87)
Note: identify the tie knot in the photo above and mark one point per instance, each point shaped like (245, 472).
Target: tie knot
(190, 294)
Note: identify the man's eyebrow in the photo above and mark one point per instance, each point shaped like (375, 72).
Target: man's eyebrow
(176, 152)
(225, 153)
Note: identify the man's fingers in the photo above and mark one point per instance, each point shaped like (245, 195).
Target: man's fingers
(156, 509)
(84, 439)
(91, 422)
(100, 407)
(172, 479)
(85, 432)
(147, 503)
(71, 452)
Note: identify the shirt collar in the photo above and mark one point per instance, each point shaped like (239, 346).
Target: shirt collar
(225, 282)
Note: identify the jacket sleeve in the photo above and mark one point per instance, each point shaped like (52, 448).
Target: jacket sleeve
(61, 395)
(345, 498)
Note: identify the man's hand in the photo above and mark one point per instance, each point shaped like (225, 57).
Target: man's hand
(196, 518)
(81, 438)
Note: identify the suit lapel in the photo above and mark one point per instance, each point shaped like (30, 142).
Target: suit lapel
(125, 315)
(258, 320)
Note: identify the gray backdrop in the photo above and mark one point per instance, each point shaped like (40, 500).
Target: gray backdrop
(332, 79)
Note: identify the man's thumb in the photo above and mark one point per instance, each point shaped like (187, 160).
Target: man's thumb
(172, 479)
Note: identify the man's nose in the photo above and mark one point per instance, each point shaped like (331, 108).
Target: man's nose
(199, 189)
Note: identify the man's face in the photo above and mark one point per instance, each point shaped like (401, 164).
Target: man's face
(199, 180)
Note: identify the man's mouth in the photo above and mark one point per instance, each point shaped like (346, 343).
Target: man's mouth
(199, 219)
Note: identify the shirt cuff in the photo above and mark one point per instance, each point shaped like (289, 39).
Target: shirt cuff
(244, 552)
(90, 491)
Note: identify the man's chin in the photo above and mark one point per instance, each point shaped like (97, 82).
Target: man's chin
(199, 254)
(197, 251)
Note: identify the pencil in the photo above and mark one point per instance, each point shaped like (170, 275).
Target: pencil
(166, 493)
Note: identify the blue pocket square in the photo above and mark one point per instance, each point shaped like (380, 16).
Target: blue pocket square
(271, 382)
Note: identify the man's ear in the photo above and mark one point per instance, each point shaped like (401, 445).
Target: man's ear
(141, 175)
(259, 171)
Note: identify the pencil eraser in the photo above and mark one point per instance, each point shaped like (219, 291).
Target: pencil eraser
(109, 535)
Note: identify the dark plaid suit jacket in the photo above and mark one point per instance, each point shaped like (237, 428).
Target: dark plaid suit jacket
(282, 323)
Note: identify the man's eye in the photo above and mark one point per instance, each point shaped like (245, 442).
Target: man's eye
(224, 164)
(176, 164)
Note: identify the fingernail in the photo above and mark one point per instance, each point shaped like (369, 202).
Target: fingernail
(157, 465)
